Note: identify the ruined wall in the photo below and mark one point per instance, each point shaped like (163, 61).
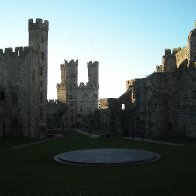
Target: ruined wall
(103, 103)
(61, 95)
(165, 101)
(181, 56)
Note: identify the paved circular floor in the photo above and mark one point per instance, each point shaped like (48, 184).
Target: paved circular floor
(106, 157)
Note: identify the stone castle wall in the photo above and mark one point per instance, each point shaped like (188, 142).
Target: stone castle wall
(181, 56)
(15, 73)
(162, 103)
(23, 82)
(81, 100)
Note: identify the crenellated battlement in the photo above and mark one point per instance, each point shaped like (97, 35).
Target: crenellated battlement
(53, 101)
(18, 51)
(93, 64)
(82, 85)
(174, 51)
(39, 24)
(167, 51)
(71, 62)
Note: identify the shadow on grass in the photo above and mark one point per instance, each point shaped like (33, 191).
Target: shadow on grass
(31, 171)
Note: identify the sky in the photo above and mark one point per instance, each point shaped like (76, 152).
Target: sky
(127, 37)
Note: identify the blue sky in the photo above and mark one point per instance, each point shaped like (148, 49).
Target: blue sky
(127, 37)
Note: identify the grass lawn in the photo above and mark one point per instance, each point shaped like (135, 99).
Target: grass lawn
(31, 171)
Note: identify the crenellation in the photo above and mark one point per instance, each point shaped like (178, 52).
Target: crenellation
(53, 101)
(80, 100)
(72, 62)
(82, 84)
(92, 64)
(39, 21)
(8, 51)
(27, 49)
(19, 71)
(163, 103)
(19, 51)
(16, 52)
(176, 50)
(167, 51)
(39, 24)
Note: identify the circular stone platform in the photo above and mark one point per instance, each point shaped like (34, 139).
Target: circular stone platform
(106, 157)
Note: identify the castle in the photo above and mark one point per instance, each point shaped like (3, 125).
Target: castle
(162, 103)
(23, 85)
(80, 101)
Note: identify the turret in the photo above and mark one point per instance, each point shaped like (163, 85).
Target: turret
(169, 61)
(192, 47)
(71, 74)
(38, 32)
(62, 73)
(38, 42)
(93, 73)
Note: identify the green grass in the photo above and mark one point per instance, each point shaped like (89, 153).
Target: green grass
(31, 171)
(93, 131)
(176, 139)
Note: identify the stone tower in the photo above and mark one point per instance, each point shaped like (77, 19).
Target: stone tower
(38, 42)
(69, 81)
(93, 78)
(81, 101)
(192, 47)
(71, 78)
(23, 85)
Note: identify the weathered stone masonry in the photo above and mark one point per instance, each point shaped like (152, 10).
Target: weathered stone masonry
(23, 85)
(165, 101)
(81, 101)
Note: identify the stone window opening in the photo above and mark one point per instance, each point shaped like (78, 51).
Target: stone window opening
(42, 40)
(2, 96)
(14, 98)
(123, 106)
(41, 114)
(194, 94)
(41, 71)
(42, 56)
(41, 98)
